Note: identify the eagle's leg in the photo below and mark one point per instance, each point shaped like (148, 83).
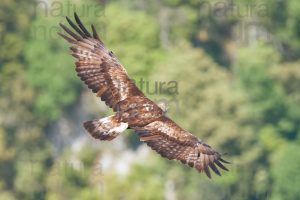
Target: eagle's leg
(106, 128)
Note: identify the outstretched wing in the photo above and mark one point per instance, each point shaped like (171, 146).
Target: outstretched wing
(172, 142)
(98, 67)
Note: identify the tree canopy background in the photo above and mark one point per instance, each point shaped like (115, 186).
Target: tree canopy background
(229, 71)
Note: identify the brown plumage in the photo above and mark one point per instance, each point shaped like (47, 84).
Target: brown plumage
(104, 75)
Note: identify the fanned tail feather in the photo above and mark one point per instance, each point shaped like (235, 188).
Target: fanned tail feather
(106, 128)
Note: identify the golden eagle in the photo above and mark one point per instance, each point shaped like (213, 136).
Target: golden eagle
(104, 75)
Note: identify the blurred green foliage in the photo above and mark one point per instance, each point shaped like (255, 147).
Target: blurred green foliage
(237, 73)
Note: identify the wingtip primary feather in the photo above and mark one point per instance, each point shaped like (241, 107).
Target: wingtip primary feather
(224, 161)
(66, 37)
(95, 34)
(75, 15)
(71, 33)
(207, 172)
(75, 27)
(214, 168)
(221, 165)
(78, 21)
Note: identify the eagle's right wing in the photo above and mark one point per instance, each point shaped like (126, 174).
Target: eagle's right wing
(170, 141)
(97, 67)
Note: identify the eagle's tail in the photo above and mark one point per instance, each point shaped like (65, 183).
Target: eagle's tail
(106, 128)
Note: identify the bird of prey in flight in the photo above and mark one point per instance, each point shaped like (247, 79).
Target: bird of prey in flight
(102, 72)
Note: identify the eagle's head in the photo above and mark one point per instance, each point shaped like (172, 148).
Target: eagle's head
(163, 105)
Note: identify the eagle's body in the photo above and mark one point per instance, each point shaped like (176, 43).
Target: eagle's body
(104, 75)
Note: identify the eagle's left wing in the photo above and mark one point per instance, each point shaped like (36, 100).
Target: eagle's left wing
(97, 66)
(172, 142)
